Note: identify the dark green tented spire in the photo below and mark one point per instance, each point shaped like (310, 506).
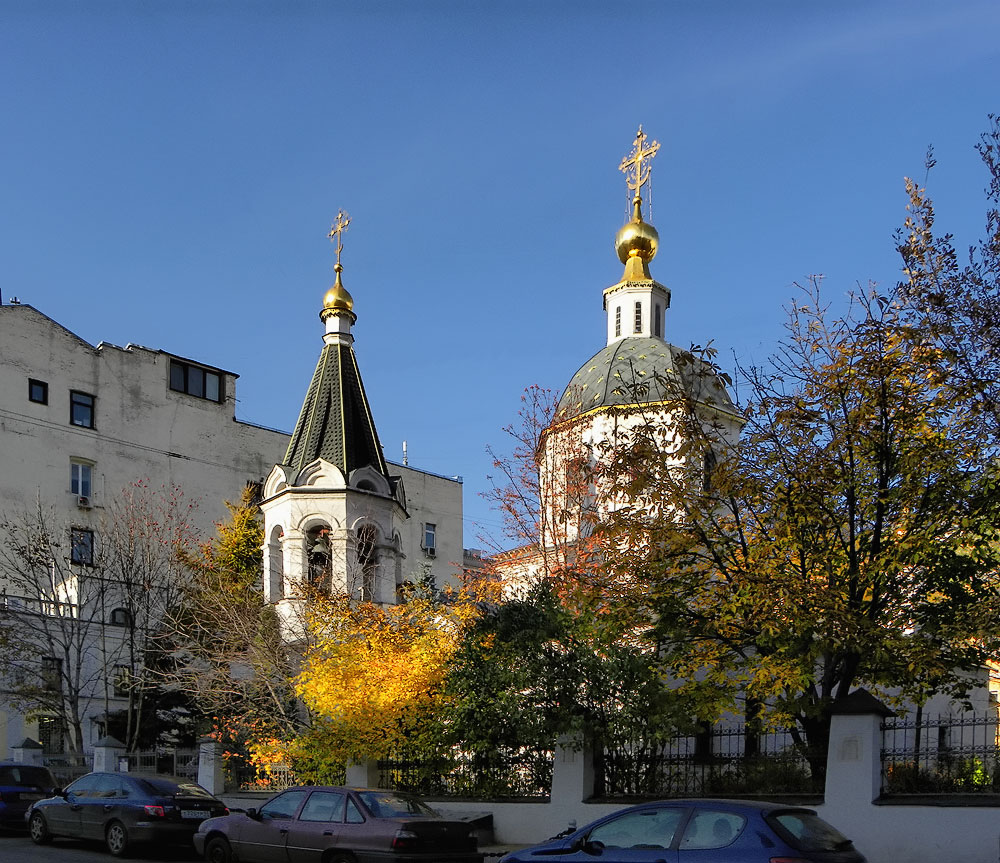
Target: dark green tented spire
(336, 422)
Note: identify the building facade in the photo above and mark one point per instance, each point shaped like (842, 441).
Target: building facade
(79, 423)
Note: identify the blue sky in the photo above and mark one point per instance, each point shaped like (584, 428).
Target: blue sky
(170, 170)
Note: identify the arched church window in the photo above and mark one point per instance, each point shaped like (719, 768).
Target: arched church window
(318, 546)
(638, 317)
(618, 321)
(367, 561)
(707, 469)
(276, 563)
(656, 322)
(120, 617)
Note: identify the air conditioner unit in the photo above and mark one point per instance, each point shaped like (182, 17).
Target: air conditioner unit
(83, 502)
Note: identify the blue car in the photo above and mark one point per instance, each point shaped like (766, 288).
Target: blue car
(699, 831)
(20, 786)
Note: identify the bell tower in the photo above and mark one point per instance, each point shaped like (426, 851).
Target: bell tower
(331, 510)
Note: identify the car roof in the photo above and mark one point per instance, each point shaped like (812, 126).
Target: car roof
(729, 802)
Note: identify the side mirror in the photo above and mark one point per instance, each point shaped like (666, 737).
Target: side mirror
(593, 847)
(254, 814)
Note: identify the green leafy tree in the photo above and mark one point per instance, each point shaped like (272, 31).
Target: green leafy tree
(556, 662)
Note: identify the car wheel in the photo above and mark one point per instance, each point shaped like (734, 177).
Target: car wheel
(38, 829)
(218, 851)
(116, 837)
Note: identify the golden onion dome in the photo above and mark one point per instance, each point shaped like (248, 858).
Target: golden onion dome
(637, 239)
(338, 298)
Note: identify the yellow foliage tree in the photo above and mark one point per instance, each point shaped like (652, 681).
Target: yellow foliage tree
(372, 679)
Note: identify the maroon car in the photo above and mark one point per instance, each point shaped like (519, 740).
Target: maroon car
(321, 824)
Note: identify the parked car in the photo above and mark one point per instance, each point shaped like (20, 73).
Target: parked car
(324, 824)
(20, 786)
(124, 809)
(706, 831)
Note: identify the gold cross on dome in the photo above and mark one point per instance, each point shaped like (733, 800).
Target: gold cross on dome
(635, 175)
(337, 230)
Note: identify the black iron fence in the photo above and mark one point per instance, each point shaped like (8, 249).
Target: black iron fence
(941, 755)
(182, 763)
(717, 762)
(502, 775)
(243, 775)
(67, 766)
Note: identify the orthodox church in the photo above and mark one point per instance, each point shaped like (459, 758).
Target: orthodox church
(637, 378)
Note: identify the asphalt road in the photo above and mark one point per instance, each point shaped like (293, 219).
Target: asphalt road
(18, 848)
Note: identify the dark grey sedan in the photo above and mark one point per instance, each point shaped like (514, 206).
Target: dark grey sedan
(324, 824)
(124, 810)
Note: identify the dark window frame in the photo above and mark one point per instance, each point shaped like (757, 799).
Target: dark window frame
(81, 545)
(84, 402)
(121, 680)
(40, 389)
(638, 316)
(51, 673)
(194, 380)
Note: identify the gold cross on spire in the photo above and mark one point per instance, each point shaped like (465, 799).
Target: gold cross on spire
(635, 175)
(337, 230)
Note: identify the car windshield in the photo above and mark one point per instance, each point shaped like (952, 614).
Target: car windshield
(388, 804)
(16, 774)
(806, 831)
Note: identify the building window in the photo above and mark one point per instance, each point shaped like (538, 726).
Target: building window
(82, 546)
(81, 409)
(195, 381)
(50, 735)
(708, 466)
(638, 318)
(430, 539)
(51, 674)
(38, 391)
(122, 680)
(368, 561)
(120, 617)
(656, 322)
(618, 321)
(80, 474)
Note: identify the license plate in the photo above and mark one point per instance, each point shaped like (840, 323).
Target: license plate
(194, 813)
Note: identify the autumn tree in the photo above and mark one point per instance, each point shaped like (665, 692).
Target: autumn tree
(848, 540)
(953, 297)
(562, 654)
(86, 606)
(372, 679)
(228, 654)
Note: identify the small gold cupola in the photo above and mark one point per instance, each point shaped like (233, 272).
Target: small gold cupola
(338, 302)
(637, 241)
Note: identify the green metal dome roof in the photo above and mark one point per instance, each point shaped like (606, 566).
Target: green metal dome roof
(638, 371)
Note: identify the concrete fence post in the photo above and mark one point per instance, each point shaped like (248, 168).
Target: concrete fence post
(28, 752)
(211, 766)
(363, 774)
(107, 752)
(854, 757)
(572, 772)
